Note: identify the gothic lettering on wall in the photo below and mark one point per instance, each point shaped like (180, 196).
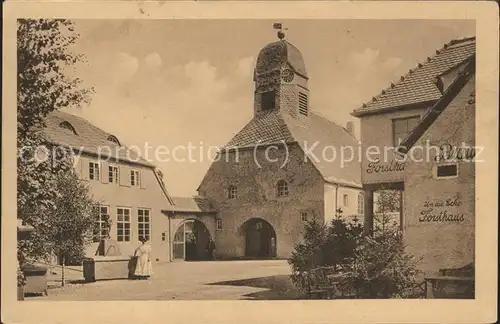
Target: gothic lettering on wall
(448, 152)
(441, 211)
(378, 167)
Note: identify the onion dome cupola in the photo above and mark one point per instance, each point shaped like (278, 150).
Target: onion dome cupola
(280, 78)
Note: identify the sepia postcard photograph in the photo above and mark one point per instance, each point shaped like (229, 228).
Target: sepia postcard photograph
(191, 152)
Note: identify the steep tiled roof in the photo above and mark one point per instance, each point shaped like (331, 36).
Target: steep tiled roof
(269, 128)
(88, 138)
(194, 204)
(319, 137)
(418, 85)
(430, 117)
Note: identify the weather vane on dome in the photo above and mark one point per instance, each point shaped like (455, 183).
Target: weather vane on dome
(279, 26)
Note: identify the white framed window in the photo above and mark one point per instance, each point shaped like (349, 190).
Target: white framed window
(232, 192)
(219, 224)
(346, 200)
(94, 172)
(445, 171)
(123, 224)
(101, 230)
(113, 174)
(144, 223)
(361, 204)
(135, 178)
(282, 188)
(303, 216)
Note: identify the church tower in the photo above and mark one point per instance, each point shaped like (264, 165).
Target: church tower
(280, 79)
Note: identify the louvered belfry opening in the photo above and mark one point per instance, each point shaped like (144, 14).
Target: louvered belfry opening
(303, 103)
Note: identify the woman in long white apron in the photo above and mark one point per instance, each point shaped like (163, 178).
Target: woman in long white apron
(143, 268)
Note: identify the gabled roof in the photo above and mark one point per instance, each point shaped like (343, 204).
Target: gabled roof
(318, 138)
(87, 137)
(196, 204)
(430, 117)
(418, 85)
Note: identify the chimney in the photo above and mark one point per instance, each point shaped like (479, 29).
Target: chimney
(350, 128)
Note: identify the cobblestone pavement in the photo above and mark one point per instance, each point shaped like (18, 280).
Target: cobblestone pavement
(224, 280)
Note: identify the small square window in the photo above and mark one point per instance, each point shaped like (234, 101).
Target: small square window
(219, 224)
(446, 171)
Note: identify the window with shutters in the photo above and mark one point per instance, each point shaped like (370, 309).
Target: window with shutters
(94, 171)
(135, 178)
(101, 216)
(268, 100)
(143, 223)
(123, 224)
(113, 174)
(402, 127)
(303, 103)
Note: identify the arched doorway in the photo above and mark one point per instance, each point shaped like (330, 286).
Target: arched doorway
(260, 239)
(190, 241)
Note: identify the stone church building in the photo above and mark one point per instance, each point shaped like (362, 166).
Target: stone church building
(284, 167)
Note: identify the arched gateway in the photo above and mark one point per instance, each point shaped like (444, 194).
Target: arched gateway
(260, 238)
(190, 241)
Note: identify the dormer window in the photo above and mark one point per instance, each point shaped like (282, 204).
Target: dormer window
(268, 100)
(303, 103)
(68, 126)
(113, 139)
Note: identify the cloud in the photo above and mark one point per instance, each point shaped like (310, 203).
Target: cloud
(153, 60)
(392, 63)
(365, 59)
(124, 66)
(244, 67)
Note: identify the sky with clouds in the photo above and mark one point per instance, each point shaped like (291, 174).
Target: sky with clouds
(173, 82)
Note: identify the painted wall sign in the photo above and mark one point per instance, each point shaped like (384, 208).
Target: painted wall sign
(378, 167)
(448, 152)
(441, 211)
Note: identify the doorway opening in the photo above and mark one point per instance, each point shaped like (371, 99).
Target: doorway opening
(191, 241)
(260, 239)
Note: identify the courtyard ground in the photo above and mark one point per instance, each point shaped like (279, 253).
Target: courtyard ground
(215, 280)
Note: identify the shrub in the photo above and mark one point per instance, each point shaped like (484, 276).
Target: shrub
(328, 245)
(382, 268)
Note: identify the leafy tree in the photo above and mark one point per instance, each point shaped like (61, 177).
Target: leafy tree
(45, 56)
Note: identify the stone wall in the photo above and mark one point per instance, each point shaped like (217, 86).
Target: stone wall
(257, 196)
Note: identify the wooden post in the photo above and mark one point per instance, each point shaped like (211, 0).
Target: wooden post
(368, 219)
